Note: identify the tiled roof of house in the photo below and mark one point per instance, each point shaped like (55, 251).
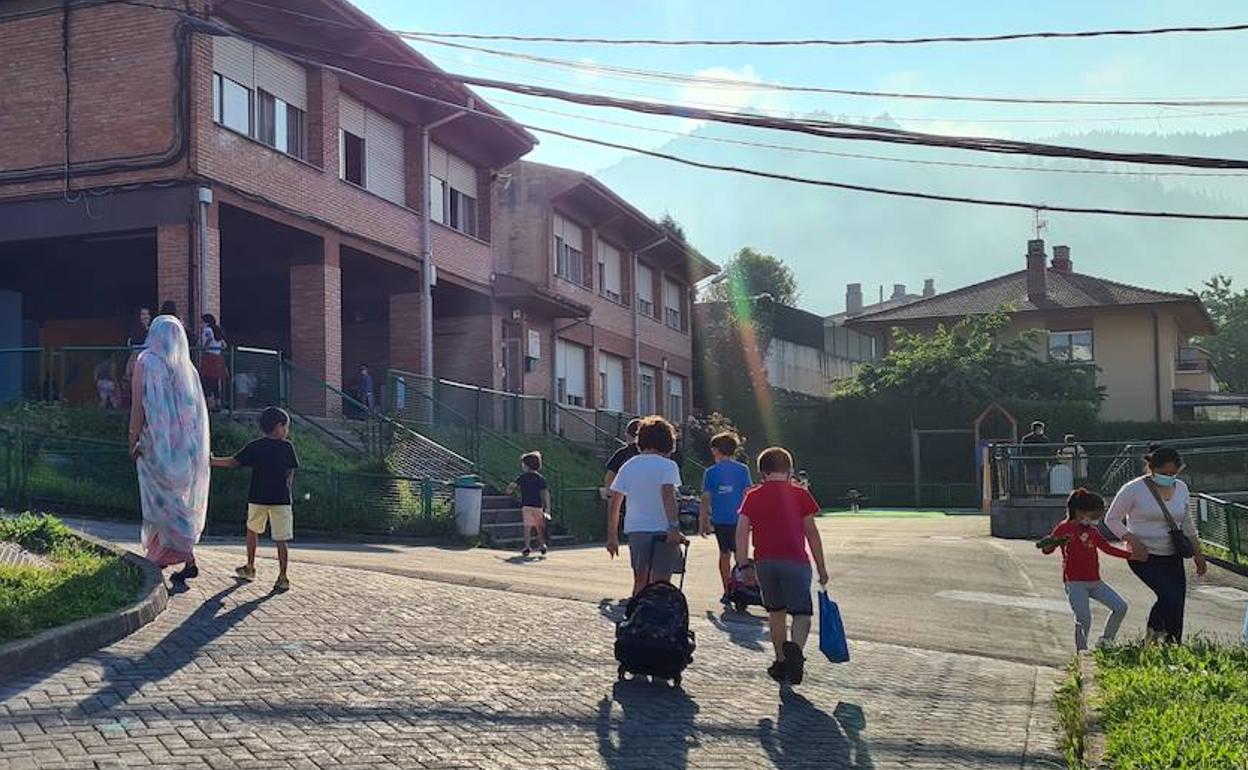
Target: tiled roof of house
(1066, 291)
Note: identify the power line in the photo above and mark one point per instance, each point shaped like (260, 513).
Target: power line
(728, 82)
(1030, 206)
(717, 82)
(861, 156)
(866, 41)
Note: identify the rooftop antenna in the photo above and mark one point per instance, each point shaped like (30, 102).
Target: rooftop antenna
(1039, 223)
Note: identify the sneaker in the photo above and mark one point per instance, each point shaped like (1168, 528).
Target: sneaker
(776, 671)
(525, 551)
(794, 662)
(543, 549)
(247, 573)
(282, 585)
(185, 574)
(726, 598)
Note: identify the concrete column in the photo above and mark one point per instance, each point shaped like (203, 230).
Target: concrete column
(177, 268)
(316, 327)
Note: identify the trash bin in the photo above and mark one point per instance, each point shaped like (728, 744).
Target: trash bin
(468, 490)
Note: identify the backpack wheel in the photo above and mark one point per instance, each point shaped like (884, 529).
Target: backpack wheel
(622, 674)
(740, 607)
(676, 680)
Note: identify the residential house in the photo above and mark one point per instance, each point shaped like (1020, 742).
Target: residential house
(1139, 339)
(264, 162)
(593, 296)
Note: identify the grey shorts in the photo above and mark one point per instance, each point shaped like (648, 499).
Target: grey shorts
(666, 555)
(785, 586)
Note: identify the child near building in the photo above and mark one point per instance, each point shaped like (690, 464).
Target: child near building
(534, 499)
(1079, 539)
(273, 462)
(780, 515)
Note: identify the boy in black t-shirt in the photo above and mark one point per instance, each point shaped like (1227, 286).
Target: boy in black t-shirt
(273, 462)
(534, 499)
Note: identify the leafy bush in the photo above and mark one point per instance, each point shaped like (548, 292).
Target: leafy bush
(1182, 707)
(82, 581)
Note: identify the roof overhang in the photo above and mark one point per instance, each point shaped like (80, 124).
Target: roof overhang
(336, 33)
(532, 298)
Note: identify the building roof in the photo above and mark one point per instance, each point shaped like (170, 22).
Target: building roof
(337, 33)
(836, 319)
(664, 243)
(1066, 291)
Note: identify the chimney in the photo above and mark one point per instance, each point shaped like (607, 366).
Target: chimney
(1061, 260)
(929, 287)
(899, 291)
(1037, 275)
(853, 299)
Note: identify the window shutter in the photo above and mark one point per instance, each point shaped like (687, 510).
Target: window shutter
(283, 78)
(462, 175)
(570, 367)
(234, 58)
(352, 116)
(383, 150)
(645, 283)
(610, 257)
(439, 163)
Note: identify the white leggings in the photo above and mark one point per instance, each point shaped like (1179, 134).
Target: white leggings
(1079, 592)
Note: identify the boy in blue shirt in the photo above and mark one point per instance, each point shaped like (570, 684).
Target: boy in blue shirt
(723, 489)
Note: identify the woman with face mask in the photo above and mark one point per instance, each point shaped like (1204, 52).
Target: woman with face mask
(1150, 514)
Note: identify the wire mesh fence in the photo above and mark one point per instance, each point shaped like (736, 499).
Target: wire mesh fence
(1224, 525)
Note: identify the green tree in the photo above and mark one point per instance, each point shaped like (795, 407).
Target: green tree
(1229, 347)
(749, 273)
(968, 364)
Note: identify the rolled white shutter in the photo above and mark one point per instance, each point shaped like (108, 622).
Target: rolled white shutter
(283, 78)
(613, 368)
(675, 385)
(235, 59)
(645, 283)
(439, 163)
(462, 176)
(352, 116)
(610, 266)
(383, 151)
(570, 366)
(671, 294)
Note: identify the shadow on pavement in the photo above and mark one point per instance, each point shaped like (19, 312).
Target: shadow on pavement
(805, 736)
(744, 631)
(655, 727)
(125, 676)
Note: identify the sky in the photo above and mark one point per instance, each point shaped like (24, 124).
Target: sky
(1186, 66)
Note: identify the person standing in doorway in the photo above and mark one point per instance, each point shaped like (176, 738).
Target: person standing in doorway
(212, 362)
(366, 389)
(1151, 514)
(723, 488)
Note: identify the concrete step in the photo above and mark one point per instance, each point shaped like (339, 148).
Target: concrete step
(489, 502)
(501, 516)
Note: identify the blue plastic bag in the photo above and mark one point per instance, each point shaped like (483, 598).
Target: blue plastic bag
(832, 642)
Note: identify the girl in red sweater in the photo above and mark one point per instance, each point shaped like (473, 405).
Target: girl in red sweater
(1079, 539)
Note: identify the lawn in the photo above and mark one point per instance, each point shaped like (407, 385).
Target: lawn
(80, 583)
(1180, 707)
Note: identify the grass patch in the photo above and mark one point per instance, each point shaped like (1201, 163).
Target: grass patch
(82, 581)
(1180, 707)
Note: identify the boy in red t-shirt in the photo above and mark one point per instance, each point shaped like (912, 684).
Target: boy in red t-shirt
(1080, 540)
(781, 516)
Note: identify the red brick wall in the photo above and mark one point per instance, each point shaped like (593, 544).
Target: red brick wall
(316, 323)
(464, 349)
(405, 331)
(122, 84)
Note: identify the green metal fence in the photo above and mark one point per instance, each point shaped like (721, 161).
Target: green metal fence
(834, 493)
(1223, 524)
(84, 476)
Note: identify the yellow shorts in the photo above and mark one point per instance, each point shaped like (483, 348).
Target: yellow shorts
(533, 516)
(280, 518)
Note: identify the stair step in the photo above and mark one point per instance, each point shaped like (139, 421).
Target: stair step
(489, 502)
(501, 516)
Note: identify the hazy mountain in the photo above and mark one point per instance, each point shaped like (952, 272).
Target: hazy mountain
(832, 237)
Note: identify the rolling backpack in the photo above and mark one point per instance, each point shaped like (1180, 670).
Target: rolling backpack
(654, 638)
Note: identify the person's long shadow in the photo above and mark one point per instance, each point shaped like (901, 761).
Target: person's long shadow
(805, 736)
(655, 727)
(125, 676)
(744, 631)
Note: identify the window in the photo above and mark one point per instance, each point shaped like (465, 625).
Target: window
(231, 104)
(645, 399)
(611, 382)
(609, 261)
(353, 158)
(570, 383)
(569, 255)
(673, 304)
(645, 290)
(675, 398)
(452, 191)
(1072, 347)
(279, 124)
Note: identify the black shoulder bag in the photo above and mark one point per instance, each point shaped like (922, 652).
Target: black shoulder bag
(1182, 543)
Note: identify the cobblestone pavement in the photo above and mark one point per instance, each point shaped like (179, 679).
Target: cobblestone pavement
(360, 669)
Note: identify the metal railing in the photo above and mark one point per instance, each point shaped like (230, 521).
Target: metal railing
(87, 476)
(1224, 525)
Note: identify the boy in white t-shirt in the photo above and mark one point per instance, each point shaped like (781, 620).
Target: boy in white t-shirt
(649, 482)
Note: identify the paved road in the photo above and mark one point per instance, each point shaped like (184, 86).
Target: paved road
(929, 583)
(363, 669)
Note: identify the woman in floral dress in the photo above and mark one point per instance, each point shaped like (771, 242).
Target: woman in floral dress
(169, 444)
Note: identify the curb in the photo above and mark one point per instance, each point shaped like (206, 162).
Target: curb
(1093, 736)
(89, 634)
